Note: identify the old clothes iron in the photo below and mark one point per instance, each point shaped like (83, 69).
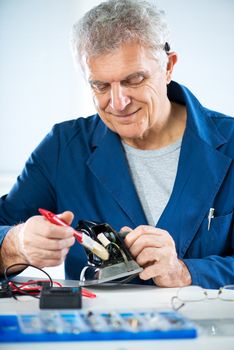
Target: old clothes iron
(120, 263)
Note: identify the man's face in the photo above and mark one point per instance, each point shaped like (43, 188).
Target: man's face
(129, 91)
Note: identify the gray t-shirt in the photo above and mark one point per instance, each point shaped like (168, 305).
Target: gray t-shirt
(153, 173)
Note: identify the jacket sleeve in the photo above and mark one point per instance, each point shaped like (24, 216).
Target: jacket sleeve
(33, 188)
(211, 272)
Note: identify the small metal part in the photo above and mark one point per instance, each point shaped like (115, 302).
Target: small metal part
(134, 323)
(97, 322)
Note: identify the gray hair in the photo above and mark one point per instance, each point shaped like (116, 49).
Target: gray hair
(112, 23)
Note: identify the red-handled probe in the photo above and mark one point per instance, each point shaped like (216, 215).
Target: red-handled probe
(81, 237)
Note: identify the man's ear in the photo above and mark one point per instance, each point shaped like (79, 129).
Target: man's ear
(172, 59)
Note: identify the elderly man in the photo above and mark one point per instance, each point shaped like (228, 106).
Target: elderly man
(152, 161)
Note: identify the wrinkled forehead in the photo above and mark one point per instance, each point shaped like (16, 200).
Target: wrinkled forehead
(116, 65)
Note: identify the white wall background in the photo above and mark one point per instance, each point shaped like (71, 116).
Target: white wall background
(39, 86)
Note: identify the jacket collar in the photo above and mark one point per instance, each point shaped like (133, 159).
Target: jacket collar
(198, 117)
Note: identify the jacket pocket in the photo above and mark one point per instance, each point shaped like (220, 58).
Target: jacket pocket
(215, 241)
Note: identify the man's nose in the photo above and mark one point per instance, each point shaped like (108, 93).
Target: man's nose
(118, 97)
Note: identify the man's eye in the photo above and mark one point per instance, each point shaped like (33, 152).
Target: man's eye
(135, 80)
(100, 87)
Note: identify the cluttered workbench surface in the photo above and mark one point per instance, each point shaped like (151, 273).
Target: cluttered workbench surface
(119, 317)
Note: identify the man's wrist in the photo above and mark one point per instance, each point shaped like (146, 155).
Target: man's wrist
(10, 249)
(179, 277)
(186, 278)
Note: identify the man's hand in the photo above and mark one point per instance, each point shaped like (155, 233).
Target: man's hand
(37, 242)
(154, 250)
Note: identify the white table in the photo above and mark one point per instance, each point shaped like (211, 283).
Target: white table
(133, 297)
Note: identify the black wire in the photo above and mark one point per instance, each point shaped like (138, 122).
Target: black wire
(7, 280)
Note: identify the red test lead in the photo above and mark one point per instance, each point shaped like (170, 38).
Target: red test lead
(81, 237)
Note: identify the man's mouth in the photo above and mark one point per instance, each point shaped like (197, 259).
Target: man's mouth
(125, 115)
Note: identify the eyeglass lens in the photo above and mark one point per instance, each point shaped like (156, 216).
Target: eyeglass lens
(191, 293)
(197, 293)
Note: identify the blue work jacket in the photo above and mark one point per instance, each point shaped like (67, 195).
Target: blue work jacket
(81, 166)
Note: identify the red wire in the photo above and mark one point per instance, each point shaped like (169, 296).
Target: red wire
(24, 288)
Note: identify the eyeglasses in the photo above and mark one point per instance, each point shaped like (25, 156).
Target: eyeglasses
(197, 293)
